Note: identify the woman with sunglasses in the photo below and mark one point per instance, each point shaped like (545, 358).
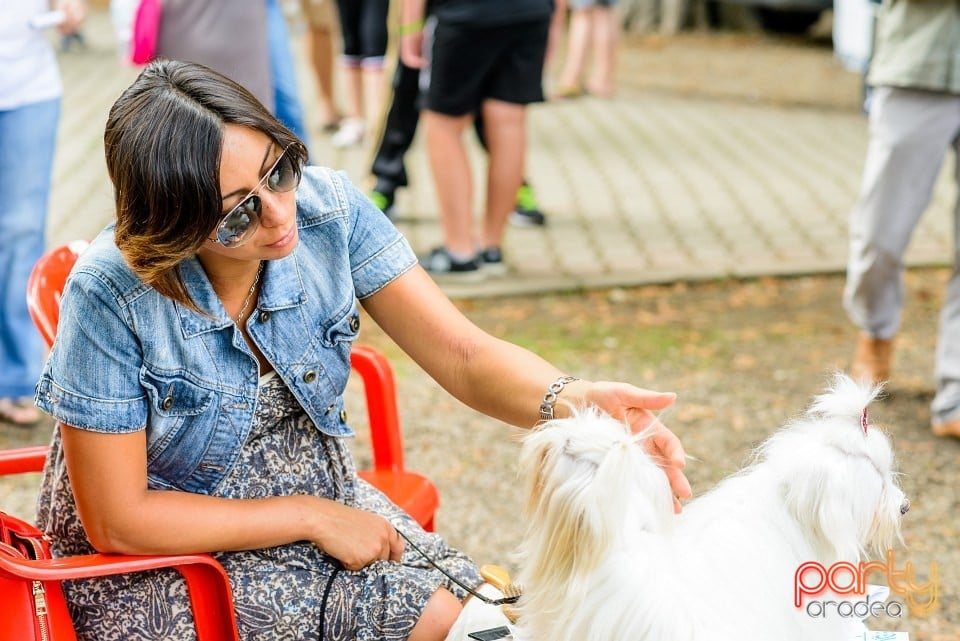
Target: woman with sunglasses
(198, 372)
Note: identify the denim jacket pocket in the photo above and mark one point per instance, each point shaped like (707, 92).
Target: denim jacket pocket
(345, 329)
(179, 426)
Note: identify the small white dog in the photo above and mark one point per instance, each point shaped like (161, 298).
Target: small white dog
(604, 557)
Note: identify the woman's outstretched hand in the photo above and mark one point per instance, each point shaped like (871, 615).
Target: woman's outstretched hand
(637, 407)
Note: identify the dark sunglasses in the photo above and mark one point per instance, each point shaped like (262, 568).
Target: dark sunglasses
(238, 225)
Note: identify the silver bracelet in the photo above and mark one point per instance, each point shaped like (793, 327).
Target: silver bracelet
(550, 398)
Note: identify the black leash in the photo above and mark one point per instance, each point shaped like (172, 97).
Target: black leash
(468, 589)
(326, 593)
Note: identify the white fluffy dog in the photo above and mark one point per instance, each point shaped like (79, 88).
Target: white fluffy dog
(604, 557)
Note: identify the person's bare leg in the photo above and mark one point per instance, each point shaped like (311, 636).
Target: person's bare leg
(373, 89)
(578, 43)
(353, 84)
(506, 133)
(322, 57)
(450, 165)
(605, 30)
(353, 128)
(437, 618)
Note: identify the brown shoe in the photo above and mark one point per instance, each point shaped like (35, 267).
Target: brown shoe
(871, 361)
(948, 429)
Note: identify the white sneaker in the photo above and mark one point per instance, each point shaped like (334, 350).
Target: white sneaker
(350, 133)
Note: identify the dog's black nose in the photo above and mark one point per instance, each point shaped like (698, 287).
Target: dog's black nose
(905, 506)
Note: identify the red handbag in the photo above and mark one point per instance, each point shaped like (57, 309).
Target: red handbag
(32, 610)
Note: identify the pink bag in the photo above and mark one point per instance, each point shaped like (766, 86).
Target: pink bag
(146, 31)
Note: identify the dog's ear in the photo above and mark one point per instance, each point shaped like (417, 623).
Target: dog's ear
(568, 529)
(835, 498)
(587, 482)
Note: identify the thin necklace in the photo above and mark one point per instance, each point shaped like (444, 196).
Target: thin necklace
(246, 301)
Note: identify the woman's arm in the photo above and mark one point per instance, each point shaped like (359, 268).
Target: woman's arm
(120, 514)
(501, 379)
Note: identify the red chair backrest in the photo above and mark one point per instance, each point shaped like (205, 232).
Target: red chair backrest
(45, 285)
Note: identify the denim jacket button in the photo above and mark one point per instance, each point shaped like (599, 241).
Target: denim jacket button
(263, 317)
(343, 416)
(167, 403)
(329, 409)
(309, 376)
(355, 323)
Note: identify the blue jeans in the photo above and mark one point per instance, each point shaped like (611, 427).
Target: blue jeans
(27, 142)
(285, 95)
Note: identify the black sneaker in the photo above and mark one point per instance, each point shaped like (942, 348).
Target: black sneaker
(439, 262)
(526, 212)
(491, 260)
(384, 201)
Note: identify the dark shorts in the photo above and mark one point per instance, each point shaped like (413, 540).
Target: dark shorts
(363, 27)
(470, 64)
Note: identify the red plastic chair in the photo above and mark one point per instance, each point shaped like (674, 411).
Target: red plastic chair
(413, 492)
(45, 285)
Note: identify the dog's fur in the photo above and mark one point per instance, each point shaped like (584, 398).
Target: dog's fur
(605, 559)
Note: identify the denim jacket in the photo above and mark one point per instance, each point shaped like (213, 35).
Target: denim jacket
(127, 358)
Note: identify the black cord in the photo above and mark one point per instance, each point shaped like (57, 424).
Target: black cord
(471, 591)
(326, 593)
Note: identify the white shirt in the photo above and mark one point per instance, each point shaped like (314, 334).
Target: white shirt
(28, 64)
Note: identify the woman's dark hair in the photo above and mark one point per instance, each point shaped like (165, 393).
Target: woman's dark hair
(163, 143)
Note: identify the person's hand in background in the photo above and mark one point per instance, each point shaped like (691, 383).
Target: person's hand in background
(75, 11)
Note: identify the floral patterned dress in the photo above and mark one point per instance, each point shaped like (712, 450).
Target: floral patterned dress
(278, 592)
